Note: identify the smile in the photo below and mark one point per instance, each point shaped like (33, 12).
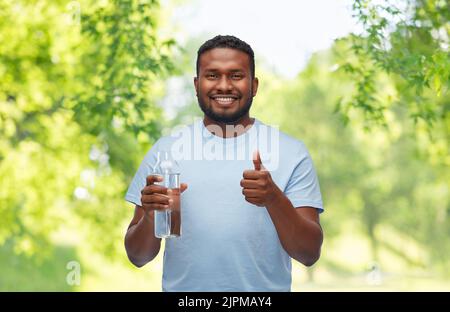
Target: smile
(224, 101)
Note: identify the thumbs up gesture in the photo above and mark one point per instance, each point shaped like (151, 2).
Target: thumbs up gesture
(257, 184)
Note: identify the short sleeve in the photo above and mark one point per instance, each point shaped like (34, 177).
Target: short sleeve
(139, 181)
(303, 187)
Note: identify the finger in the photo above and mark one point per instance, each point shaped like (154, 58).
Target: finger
(251, 193)
(252, 174)
(183, 187)
(257, 160)
(250, 184)
(151, 179)
(253, 200)
(151, 189)
(155, 199)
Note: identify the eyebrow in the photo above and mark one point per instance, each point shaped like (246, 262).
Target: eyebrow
(232, 70)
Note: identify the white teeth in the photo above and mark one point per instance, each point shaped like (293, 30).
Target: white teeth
(224, 99)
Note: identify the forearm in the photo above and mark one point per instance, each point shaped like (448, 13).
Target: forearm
(301, 238)
(140, 242)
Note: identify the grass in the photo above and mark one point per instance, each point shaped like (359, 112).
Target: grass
(24, 273)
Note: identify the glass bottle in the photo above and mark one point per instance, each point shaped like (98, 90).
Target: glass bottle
(168, 221)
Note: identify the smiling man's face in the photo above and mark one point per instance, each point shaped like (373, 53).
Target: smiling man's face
(225, 87)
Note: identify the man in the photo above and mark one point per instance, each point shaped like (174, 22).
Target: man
(242, 221)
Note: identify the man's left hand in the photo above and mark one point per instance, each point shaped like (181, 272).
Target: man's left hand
(258, 186)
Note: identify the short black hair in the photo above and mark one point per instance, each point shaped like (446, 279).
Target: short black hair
(230, 42)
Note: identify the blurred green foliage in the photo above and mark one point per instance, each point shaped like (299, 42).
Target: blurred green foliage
(381, 181)
(78, 85)
(409, 41)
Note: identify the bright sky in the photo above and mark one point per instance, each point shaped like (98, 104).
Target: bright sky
(282, 32)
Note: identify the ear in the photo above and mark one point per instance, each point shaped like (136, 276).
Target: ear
(196, 85)
(255, 85)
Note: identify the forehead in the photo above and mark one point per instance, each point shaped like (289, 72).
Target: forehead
(223, 59)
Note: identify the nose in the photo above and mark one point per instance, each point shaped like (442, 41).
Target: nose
(224, 83)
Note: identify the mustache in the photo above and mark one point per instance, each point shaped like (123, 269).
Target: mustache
(230, 94)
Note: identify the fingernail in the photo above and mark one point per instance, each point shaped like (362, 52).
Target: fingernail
(169, 191)
(170, 201)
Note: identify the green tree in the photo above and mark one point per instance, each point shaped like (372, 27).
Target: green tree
(78, 86)
(376, 177)
(409, 41)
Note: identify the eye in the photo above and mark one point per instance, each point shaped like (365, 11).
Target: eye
(211, 76)
(237, 76)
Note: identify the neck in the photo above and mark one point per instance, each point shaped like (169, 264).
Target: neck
(228, 130)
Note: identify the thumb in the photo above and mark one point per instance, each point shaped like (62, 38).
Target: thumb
(183, 187)
(257, 161)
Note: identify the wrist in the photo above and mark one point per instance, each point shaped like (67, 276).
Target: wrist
(277, 197)
(148, 217)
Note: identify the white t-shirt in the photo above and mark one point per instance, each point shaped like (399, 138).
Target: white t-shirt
(227, 243)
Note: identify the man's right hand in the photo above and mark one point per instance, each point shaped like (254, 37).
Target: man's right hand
(156, 197)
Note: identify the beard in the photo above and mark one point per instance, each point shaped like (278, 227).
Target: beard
(224, 117)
